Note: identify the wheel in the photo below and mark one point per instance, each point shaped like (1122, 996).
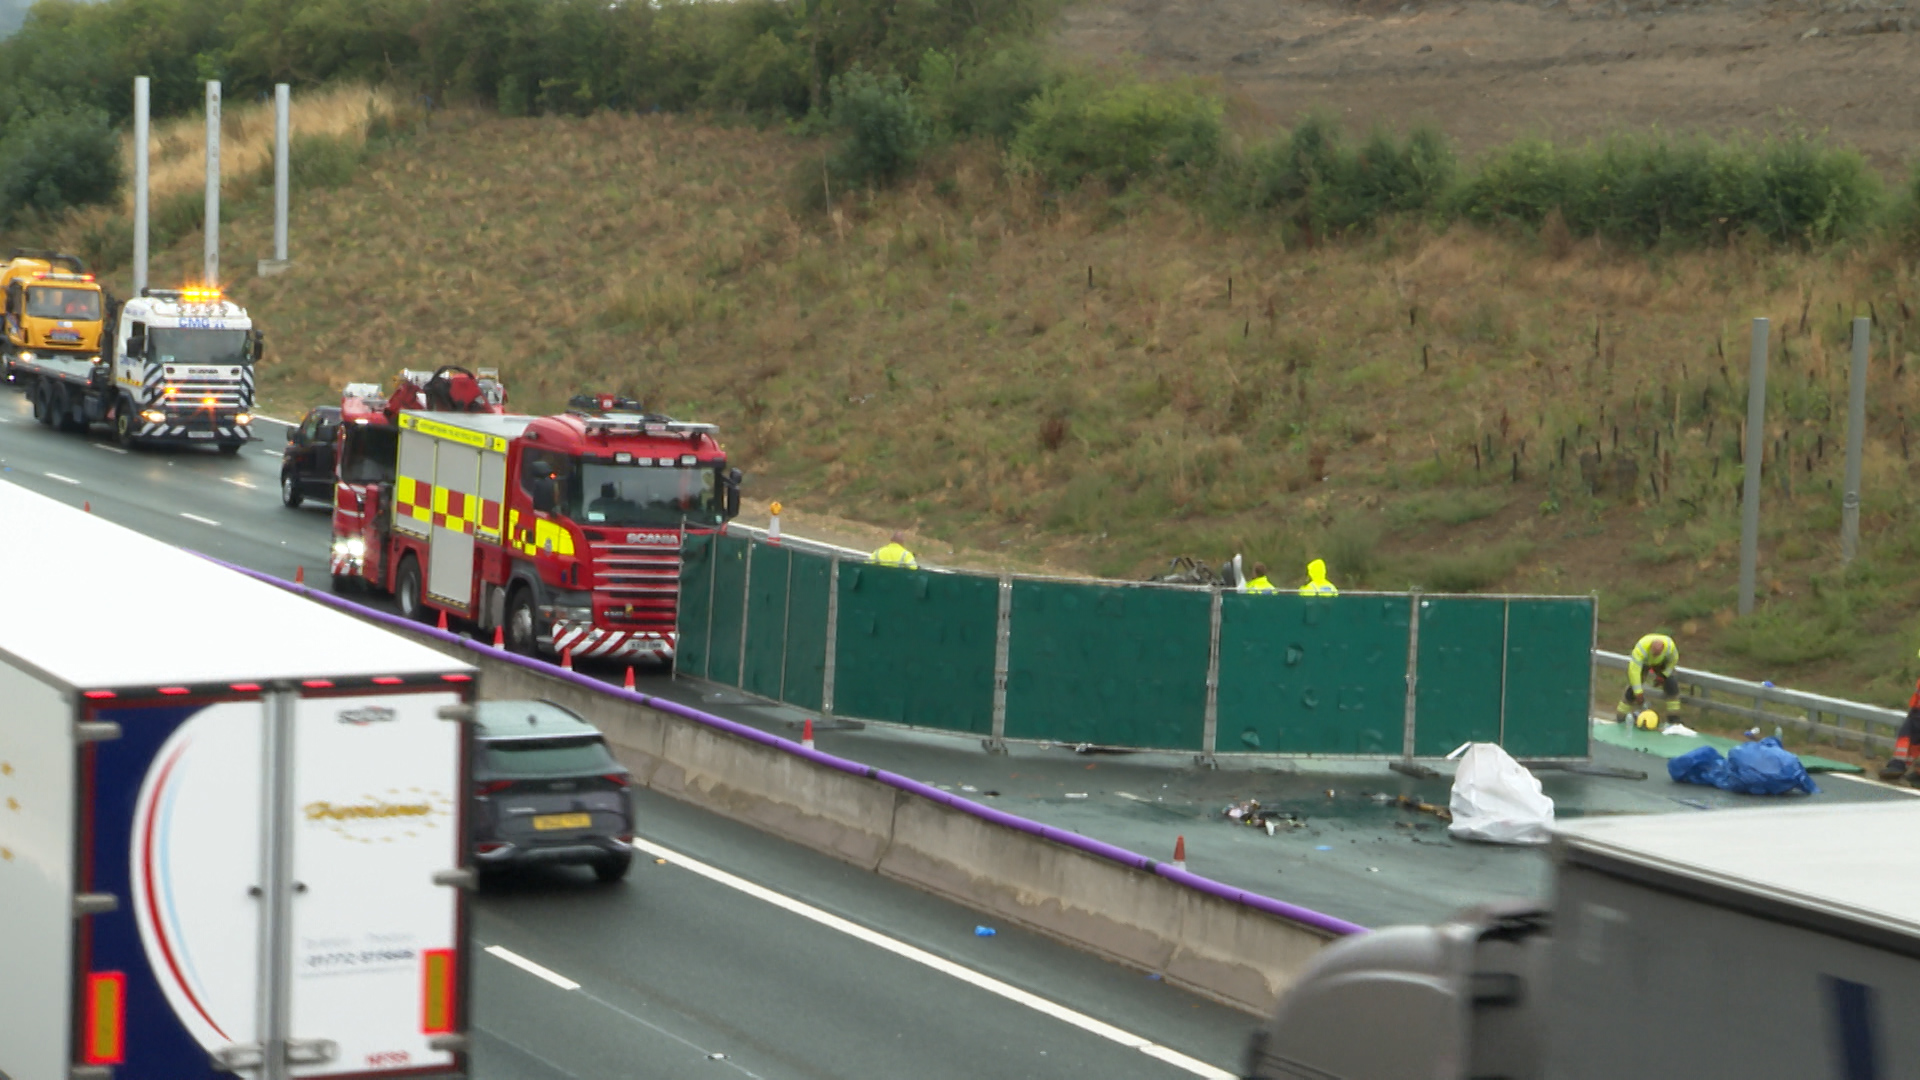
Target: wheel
(612, 870)
(230, 448)
(521, 628)
(63, 411)
(123, 422)
(406, 590)
(290, 492)
(42, 402)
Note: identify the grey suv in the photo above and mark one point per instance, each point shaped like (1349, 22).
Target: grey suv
(547, 790)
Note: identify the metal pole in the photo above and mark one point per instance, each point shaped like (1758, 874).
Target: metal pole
(1506, 650)
(276, 882)
(1856, 434)
(833, 621)
(1414, 603)
(1756, 448)
(746, 609)
(212, 224)
(282, 110)
(142, 96)
(786, 629)
(1210, 729)
(1002, 660)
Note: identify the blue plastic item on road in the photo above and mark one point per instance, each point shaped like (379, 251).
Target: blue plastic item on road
(1702, 765)
(1757, 768)
(1767, 768)
(983, 931)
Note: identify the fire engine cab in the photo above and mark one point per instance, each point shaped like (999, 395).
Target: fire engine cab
(564, 531)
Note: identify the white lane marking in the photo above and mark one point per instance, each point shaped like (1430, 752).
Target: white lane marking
(1871, 782)
(275, 453)
(108, 449)
(198, 518)
(532, 968)
(276, 420)
(941, 964)
(239, 481)
(62, 479)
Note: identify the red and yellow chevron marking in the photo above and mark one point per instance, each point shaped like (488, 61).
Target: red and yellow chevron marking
(446, 508)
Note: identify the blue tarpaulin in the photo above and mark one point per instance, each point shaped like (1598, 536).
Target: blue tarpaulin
(1756, 768)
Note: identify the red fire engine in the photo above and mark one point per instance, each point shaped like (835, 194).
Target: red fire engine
(565, 531)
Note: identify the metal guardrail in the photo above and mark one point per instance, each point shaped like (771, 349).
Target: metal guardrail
(1872, 727)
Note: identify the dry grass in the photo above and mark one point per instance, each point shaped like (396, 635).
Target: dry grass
(177, 148)
(936, 359)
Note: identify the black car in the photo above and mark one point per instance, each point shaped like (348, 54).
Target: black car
(547, 790)
(306, 469)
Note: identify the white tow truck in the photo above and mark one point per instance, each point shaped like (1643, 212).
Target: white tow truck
(175, 368)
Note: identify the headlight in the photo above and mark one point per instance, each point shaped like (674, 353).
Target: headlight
(243, 418)
(26, 356)
(356, 547)
(568, 613)
(154, 416)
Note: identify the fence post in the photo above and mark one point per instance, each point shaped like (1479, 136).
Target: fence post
(996, 741)
(746, 608)
(833, 635)
(1506, 632)
(1413, 672)
(1210, 733)
(713, 590)
(1756, 449)
(786, 627)
(1856, 431)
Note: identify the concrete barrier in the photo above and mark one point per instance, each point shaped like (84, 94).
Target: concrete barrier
(1237, 947)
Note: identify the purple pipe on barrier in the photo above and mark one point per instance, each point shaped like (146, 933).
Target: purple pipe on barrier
(1101, 849)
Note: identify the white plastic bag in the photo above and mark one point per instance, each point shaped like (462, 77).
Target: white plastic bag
(1497, 800)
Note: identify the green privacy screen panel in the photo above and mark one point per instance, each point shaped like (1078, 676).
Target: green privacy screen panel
(1110, 665)
(1457, 698)
(1549, 677)
(729, 604)
(806, 661)
(766, 621)
(915, 647)
(1312, 675)
(696, 605)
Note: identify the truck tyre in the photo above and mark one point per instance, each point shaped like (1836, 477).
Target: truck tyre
(406, 590)
(42, 402)
(124, 417)
(522, 632)
(613, 869)
(64, 410)
(290, 492)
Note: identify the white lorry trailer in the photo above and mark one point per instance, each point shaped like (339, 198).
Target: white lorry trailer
(231, 824)
(175, 367)
(1737, 943)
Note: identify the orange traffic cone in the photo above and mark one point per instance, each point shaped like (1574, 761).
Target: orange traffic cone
(443, 620)
(1179, 853)
(87, 505)
(499, 638)
(806, 734)
(566, 659)
(299, 575)
(629, 682)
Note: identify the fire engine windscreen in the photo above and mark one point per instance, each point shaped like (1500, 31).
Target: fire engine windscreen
(367, 454)
(49, 302)
(643, 495)
(172, 346)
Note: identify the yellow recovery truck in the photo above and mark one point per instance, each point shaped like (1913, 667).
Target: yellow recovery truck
(53, 309)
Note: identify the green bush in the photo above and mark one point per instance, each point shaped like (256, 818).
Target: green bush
(1781, 636)
(1650, 189)
(321, 161)
(1471, 569)
(884, 130)
(1318, 182)
(58, 160)
(986, 97)
(1090, 127)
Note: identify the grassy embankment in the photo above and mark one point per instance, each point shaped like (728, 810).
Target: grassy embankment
(1005, 370)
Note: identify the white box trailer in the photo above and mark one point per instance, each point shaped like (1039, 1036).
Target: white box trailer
(1780, 942)
(231, 823)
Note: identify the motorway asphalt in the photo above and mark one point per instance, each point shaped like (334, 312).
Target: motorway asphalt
(735, 954)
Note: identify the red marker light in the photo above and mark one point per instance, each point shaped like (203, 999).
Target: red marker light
(174, 691)
(99, 695)
(456, 678)
(317, 684)
(387, 680)
(245, 687)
